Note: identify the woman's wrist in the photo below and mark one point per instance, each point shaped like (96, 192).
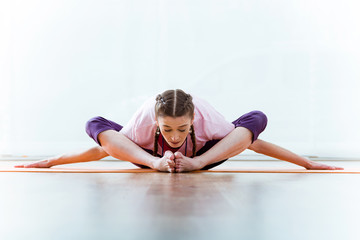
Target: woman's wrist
(53, 161)
(307, 163)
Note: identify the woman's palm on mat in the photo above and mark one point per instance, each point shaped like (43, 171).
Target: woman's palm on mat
(321, 166)
(38, 164)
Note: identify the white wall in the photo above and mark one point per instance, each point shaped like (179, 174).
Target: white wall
(65, 61)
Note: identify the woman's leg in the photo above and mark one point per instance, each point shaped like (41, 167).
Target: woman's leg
(247, 129)
(238, 140)
(106, 134)
(98, 124)
(232, 144)
(204, 149)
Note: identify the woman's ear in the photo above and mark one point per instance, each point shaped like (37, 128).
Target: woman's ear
(192, 120)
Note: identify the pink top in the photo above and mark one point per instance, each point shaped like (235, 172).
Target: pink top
(208, 124)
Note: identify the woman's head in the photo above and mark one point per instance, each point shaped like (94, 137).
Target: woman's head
(174, 103)
(174, 113)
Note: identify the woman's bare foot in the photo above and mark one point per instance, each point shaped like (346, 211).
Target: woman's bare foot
(166, 163)
(320, 166)
(39, 164)
(185, 164)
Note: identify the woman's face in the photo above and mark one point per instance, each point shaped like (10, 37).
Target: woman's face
(174, 130)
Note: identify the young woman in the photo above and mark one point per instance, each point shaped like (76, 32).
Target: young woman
(177, 132)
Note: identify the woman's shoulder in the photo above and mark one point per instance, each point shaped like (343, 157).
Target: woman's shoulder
(209, 124)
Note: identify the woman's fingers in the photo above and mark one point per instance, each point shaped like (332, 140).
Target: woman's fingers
(19, 166)
(337, 168)
(331, 168)
(320, 166)
(31, 165)
(34, 165)
(40, 164)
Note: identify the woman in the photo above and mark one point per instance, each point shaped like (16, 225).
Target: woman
(177, 132)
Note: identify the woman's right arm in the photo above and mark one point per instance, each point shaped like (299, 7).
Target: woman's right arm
(92, 154)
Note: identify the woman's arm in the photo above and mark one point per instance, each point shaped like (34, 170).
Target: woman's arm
(240, 139)
(116, 145)
(92, 154)
(275, 151)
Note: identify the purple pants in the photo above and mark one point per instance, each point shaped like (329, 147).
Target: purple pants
(255, 121)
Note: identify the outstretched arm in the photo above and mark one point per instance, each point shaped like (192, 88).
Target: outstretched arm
(92, 154)
(237, 141)
(116, 145)
(275, 151)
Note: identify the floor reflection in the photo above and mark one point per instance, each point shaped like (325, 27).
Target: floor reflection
(178, 206)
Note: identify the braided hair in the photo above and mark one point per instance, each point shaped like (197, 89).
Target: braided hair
(174, 103)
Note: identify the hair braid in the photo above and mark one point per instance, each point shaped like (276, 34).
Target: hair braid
(157, 134)
(193, 139)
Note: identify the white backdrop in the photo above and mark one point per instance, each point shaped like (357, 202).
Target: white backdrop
(65, 61)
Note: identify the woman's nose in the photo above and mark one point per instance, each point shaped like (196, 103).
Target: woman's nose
(174, 138)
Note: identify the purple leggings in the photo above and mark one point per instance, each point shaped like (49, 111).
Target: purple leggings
(255, 121)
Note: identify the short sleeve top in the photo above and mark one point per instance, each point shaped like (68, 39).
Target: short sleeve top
(209, 124)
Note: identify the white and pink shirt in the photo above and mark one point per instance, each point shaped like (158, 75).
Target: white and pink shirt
(209, 124)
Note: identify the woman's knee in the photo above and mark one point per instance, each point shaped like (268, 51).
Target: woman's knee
(96, 125)
(91, 123)
(259, 123)
(261, 119)
(255, 121)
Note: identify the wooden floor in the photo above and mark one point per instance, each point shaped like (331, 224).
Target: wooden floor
(156, 206)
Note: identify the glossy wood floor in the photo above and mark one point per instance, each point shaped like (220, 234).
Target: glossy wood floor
(156, 206)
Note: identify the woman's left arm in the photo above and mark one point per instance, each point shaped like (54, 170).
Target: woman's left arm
(275, 151)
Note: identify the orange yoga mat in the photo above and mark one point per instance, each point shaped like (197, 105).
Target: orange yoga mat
(139, 170)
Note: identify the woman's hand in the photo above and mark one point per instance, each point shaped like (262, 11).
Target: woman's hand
(185, 164)
(319, 166)
(166, 163)
(39, 164)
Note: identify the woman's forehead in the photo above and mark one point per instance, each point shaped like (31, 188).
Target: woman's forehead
(174, 121)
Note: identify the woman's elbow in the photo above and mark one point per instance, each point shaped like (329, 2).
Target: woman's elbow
(256, 146)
